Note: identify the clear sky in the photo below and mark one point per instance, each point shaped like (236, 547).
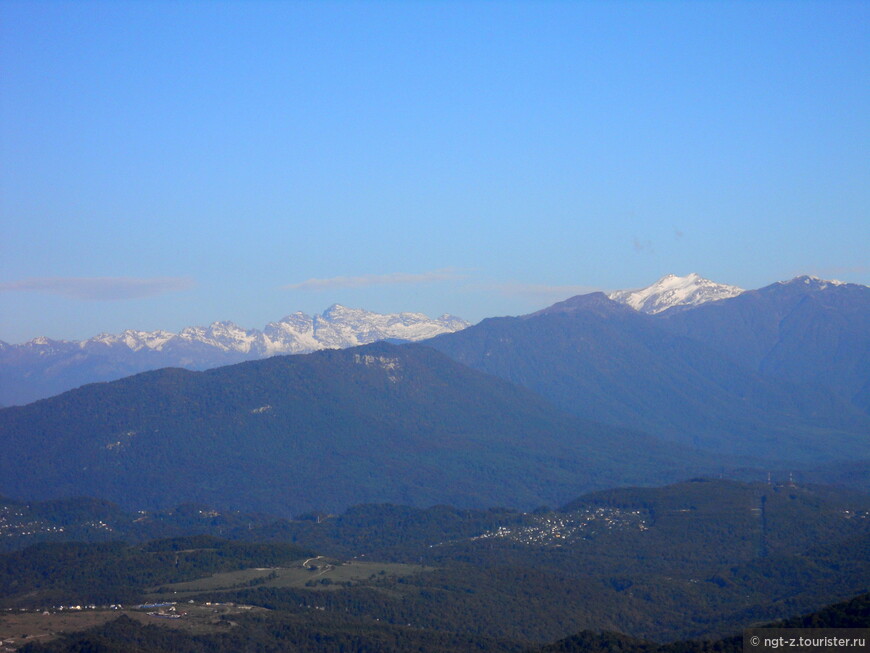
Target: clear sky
(166, 164)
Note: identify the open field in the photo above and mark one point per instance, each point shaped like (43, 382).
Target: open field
(19, 627)
(314, 573)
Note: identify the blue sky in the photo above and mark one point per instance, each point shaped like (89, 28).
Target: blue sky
(169, 164)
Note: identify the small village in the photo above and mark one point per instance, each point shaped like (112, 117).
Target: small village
(19, 626)
(556, 529)
(16, 521)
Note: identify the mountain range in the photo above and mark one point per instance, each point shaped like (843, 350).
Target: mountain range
(780, 373)
(588, 393)
(43, 367)
(418, 480)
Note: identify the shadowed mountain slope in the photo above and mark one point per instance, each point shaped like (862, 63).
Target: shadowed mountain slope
(806, 331)
(604, 361)
(379, 423)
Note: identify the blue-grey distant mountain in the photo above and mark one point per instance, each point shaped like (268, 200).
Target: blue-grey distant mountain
(761, 373)
(43, 367)
(379, 423)
(806, 330)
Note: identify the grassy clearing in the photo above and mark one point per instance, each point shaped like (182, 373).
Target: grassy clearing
(318, 574)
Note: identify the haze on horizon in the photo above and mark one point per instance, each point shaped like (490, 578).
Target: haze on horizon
(170, 164)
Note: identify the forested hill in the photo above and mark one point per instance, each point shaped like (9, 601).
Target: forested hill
(380, 423)
(854, 614)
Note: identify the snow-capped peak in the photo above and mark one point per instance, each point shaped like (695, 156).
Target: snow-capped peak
(672, 290)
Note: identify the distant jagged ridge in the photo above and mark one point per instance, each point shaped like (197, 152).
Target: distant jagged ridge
(337, 327)
(43, 367)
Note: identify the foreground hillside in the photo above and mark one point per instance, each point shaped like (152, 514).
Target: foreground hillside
(853, 614)
(313, 634)
(702, 559)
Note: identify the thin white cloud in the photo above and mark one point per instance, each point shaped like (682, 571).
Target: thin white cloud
(376, 280)
(99, 288)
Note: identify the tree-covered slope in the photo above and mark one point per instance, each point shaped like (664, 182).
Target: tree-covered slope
(379, 423)
(854, 613)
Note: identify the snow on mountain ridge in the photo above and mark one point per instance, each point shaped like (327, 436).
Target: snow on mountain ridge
(810, 280)
(337, 327)
(672, 290)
